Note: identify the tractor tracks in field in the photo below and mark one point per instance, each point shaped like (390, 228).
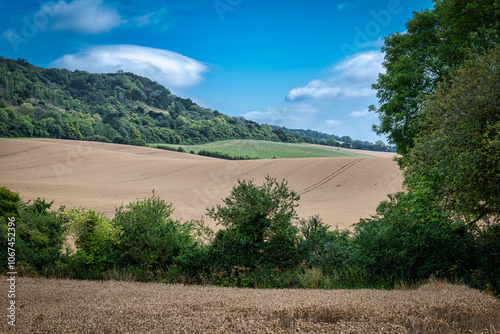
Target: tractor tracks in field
(250, 171)
(328, 178)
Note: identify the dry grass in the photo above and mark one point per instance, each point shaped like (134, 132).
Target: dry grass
(65, 306)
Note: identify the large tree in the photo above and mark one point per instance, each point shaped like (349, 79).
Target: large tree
(436, 42)
(457, 153)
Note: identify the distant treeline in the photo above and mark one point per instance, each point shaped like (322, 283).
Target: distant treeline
(121, 108)
(208, 153)
(226, 156)
(320, 138)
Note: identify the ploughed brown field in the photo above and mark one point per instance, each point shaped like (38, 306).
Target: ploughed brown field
(102, 176)
(65, 306)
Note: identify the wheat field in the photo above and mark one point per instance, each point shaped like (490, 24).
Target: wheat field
(68, 306)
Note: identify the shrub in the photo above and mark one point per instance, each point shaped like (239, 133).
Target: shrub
(411, 238)
(39, 236)
(330, 250)
(151, 239)
(98, 138)
(9, 208)
(488, 255)
(258, 223)
(96, 240)
(139, 142)
(9, 203)
(226, 156)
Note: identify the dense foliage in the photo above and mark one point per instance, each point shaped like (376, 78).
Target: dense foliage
(258, 226)
(457, 152)
(411, 238)
(121, 107)
(440, 105)
(37, 236)
(434, 45)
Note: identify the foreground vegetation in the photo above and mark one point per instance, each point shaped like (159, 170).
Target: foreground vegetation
(257, 149)
(261, 244)
(66, 306)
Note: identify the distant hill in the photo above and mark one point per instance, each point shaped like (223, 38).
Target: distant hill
(122, 108)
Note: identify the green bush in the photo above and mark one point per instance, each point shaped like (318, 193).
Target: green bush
(9, 203)
(226, 156)
(96, 240)
(151, 239)
(411, 238)
(259, 227)
(9, 209)
(39, 236)
(330, 250)
(488, 255)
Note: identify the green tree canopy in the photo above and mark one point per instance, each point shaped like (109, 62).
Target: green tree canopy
(457, 153)
(435, 44)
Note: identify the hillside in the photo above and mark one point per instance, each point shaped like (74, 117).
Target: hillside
(121, 108)
(101, 176)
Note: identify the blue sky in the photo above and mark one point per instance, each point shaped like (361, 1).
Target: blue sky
(295, 63)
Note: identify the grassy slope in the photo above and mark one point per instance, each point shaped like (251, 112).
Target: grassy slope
(267, 149)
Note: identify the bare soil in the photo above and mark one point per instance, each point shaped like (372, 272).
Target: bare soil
(102, 176)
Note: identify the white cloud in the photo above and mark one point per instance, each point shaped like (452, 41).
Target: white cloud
(289, 115)
(165, 67)
(315, 89)
(362, 114)
(377, 44)
(82, 16)
(351, 78)
(333, 122)
(361, 66)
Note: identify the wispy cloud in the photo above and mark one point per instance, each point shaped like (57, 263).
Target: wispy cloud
(362, 114)
(350, 4)
(333, 123)
(165, 67)
(350, 78)
(288, 115)
(160, 15)
(83, 16)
